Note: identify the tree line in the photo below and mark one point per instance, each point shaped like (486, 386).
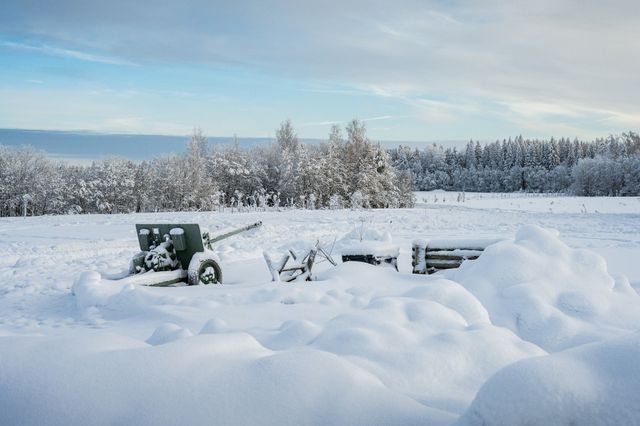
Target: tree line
(603, 167)
(349, 170)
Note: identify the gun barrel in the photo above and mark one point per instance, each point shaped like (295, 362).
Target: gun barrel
(235, 232)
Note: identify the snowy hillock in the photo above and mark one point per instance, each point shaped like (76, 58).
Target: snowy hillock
(400, 326)
(594, 384)
(398, 350)
(548, 293)
(206, 379)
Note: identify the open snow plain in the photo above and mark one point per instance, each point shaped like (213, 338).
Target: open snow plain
(542, 329)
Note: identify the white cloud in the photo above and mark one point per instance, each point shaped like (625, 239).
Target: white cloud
(66, 53)
(569, 60)
(344, 121)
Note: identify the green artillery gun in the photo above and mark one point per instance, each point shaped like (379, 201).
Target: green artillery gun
(172, 253)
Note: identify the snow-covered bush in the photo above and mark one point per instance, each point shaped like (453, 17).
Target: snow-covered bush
(335, 202)
(357, 200)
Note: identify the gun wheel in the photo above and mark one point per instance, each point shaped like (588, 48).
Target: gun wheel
(204, 269)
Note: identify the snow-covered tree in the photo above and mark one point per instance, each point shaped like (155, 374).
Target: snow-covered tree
(289, 167)
(198, 183)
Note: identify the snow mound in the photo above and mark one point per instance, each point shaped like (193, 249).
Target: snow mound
(453, 296)
(89, 291)
(168, 333)
(548, 293)
(595, 384)
(214, 325)
(368, 241)
(387, 324)
(211, 378)
(294, 333)
(423, 336)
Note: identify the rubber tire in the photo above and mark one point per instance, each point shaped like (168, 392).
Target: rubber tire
(199, 263)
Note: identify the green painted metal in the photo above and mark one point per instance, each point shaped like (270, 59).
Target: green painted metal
(157, 231)
(187, 239)
(234, 232)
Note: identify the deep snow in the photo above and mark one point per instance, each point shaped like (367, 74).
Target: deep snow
(361, 345)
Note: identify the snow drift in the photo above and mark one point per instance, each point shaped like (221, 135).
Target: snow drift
(548, 293)
(361, 345)
(594, 384)
(202, 380)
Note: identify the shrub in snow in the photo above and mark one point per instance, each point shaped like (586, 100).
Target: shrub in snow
(335, 202)
(357, 200)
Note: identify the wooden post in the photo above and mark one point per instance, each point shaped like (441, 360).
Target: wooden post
(419, 257)
(275, 267)
(311, 258)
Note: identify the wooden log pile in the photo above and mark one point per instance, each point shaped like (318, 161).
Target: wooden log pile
(429, 256)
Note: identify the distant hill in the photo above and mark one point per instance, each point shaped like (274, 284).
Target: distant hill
(83, 147)
(89, 145)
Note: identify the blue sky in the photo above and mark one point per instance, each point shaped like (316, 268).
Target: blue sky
(413, 70)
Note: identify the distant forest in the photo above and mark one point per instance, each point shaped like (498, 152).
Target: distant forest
(604, 167)
(347, 171)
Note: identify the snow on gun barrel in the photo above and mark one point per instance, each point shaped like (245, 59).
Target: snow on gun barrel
(166, 249)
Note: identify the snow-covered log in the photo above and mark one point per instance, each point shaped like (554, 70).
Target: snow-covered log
(429, 256)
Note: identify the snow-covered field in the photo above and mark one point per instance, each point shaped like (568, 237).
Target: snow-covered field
(541, 329)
